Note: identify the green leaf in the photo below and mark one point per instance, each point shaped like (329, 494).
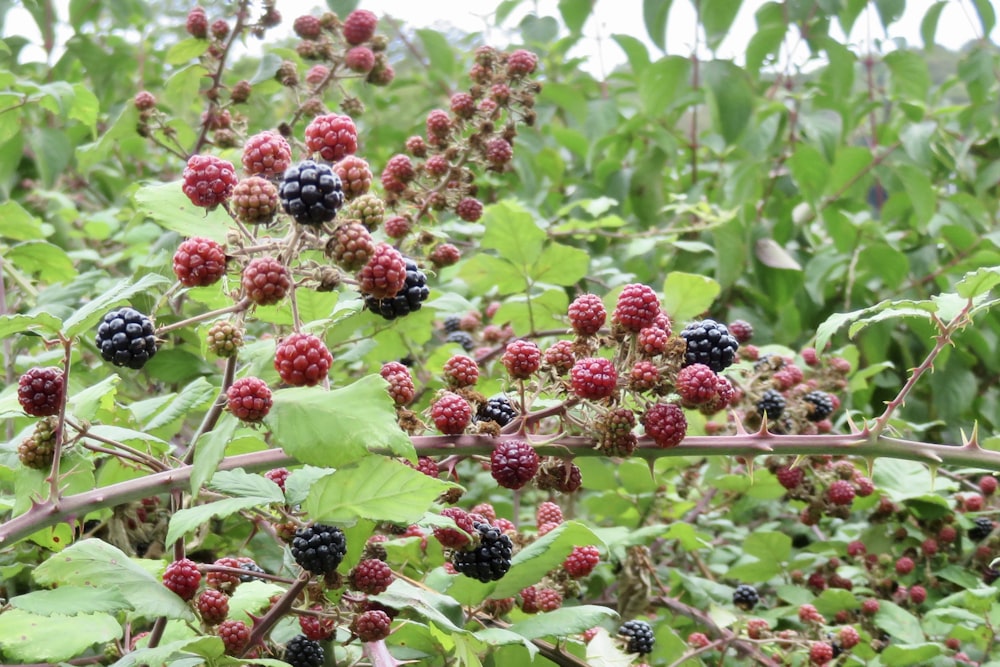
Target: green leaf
(93, 562)
(654, 15)
(717, 18)
(91, 312)
(241, 483)
(560, 265)
(564, 621)
(911, 79)
(546, 553)
(768, 545)
(168, 206)
(771, 254)
(513, 233)
(40, 323)
(636, 52)
(849, 162)
(85, 404)
(209, 450)
(71, 600)
(49, 262)
(439, 52)
(920, 192)
(896, 655)
(439, 609)
(810, 171)
(31, 638)
(575, 13)
(834, 600)
(978, 282)
(732, 98)
(85, 106)
(17, 224)
(757, 571)
(374, 488)
(333, 428)
(186, 50)
(902, 480)
(186, 520)
(880, 311)
(765, 42)
(929, 24)
(252, 597)
(195, 395)
(987, 15)
(687, 295)
(663, 83)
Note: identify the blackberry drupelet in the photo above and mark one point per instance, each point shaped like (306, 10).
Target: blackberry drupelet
(311, 193)
(490, 559)
(251, 567)
(820, 405)
(125, 338)
(982, 529)
(319, 548)
(772, 404)
(407, 300)
(745, 597)
(463, 338)
(497, 409)
(300, 651)
(710, 343)
(640, 636)
(452, 324)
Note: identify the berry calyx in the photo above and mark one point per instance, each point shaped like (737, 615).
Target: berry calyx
(513, 463)
(249, 399)
(40, 391)
(302, 360)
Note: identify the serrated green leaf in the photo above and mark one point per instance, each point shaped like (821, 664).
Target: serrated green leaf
(905, 308)
(161, 655)
(30, 638)
(17, 224)
(375, 488)
(210, 448)
(564, 621)
(560, 265)
(333, 428)
(49, 262)
(503, 637)
(170, 208)
(546, 553)
(512, 232)
(128, 436)
(833, 600)
(757, 571)
(654, 15)
(439, 609)
(243, 484)
(91, 312)
(186, 520)
(717, 18)
(687, 295)
(980, 281)
(768, 545)
(93, 562)
(810, 171)
(899, 623)
(252, 597)
(300, 482)
(732, 97)
(896, 655)
(186, 50)
(196, 394)
(439, 52)
(71, 600)
(40, 323)
(86, 403)
(929, 24)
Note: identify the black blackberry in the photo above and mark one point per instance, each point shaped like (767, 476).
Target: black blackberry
(640, 636)
(710, 343)
(982, 529)
(407, 300)
(250, 567)
(300, 651)
(125, 338)
(311, 193)
(820, 405)
(319, 548)
(490, 559)
(497, 409)
(452, 324)
(463, 338)
(745, 597)
(772, 404)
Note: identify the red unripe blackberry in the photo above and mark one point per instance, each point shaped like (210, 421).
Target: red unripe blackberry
(249, 399)
(235, 636)
(498, 152)
(213, 605)
(360, 59)
(445, 254)
(840, 492)
(725, 394)
(521, 63)
(451, 413)
(582, 561)
(199, 262)
(278, 476)
(317, 628)
(383, 73)
(332, 136)
(498, 607)
(197, 23)
(302, 360)
(398, 226)
(317, 74)
(652, 341)
(666, 424)
(696, 384)
(848, 637)
(266, 154)
(451, 538)
(461, 371)
(371, 626)
(636, 308)
(500, 93)
(863, 486)
(809, 356)
(947, 534)
(40, 391)
(255, 200)
(355, 176)
(351, 246)
(437, 165)
(870, 606)
(371, 576)
(266, 281)
(513, 463)
(416, 146)
(223, 581)
(809, 614)
(397, 173)
(426, 465)
(644, 376)
(918, 594)
(182, 577)
(521, 358)
(741, 330)
(208, 180)
(560, 356)
(953, 643)
(856, 548)
(988, 485)
(548, 512)
(359, 26)
(462, 105)
(469, 209)
(548, 599)
(904, 565)
(698, 640)
(144, 100)
(400, 382)
(587, 314)
(438, 125)
(307, 27)
(384, 274)
(594, 378)
(756, 627)
(820, 653)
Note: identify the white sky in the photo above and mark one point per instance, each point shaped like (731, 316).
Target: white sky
(958, 24)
